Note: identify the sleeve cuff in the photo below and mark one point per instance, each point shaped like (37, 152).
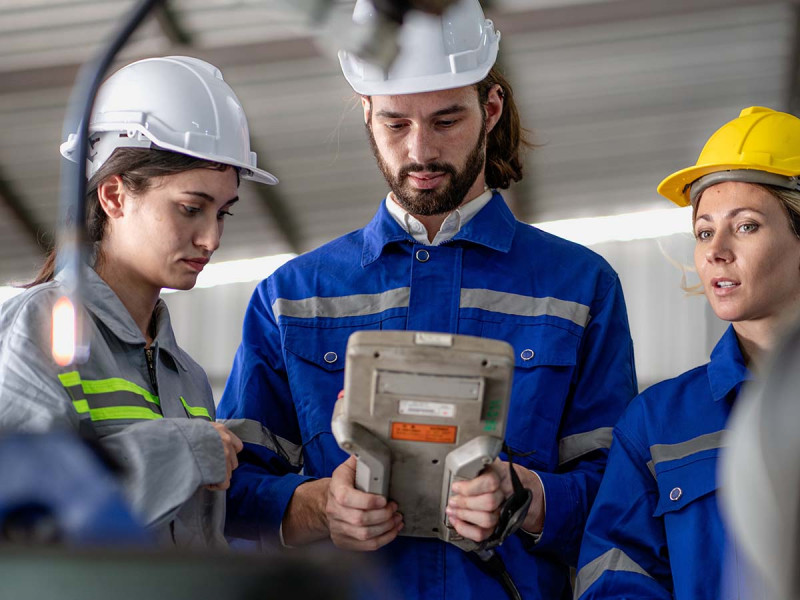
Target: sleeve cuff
(560, 515)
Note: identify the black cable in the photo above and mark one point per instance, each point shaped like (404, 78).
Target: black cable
(72, 234)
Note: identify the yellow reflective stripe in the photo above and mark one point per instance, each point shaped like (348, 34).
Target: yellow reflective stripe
(115, 384)
(70, 379)
(122, 412)
(195, 411)
(82, 406)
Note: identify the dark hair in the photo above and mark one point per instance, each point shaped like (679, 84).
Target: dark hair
(137, 167)
(508, 138)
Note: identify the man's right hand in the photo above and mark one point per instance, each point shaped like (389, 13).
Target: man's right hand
(358, 520)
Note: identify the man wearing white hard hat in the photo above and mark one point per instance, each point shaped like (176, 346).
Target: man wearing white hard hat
(442, 254)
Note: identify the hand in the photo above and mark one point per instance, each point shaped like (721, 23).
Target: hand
(358, 520)
(232, 445)
(474, 506)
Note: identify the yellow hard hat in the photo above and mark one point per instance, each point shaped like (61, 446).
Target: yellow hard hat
(761, 146)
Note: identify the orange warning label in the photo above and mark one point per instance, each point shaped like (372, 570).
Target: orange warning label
(419, 432)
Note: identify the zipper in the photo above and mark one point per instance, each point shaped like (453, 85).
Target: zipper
(151, 368)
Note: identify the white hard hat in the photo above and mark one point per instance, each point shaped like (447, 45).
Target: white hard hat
(177, 103)
(453, 50)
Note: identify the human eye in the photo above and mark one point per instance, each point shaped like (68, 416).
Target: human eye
(224, 213)
(446, 123)
(703, 235)
(190, 210)
(394, 125)
(747, 227)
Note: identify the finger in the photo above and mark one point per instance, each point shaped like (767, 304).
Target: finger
(360, 518)
(485, 483)
(479, 518)
(470, 531)
(365, 533)
(238, 445)
(486, 502)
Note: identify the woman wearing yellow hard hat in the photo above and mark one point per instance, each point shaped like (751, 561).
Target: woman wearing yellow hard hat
(655, 529)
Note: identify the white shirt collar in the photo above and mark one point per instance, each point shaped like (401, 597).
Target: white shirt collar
(450, 226)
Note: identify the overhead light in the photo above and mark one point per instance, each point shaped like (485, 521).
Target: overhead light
(627, 227)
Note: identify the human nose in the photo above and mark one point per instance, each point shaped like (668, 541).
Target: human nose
(421, 147)
(719, 248)
(209, 234)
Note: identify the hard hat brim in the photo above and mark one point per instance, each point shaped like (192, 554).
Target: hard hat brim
(676, 187)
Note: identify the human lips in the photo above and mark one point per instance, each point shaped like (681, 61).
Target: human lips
(426, 180)
(724, 286)
(196, 263)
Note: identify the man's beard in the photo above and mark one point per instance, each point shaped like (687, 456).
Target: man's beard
(438, 201)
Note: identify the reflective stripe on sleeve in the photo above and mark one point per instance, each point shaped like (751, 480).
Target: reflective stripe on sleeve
(665, 452)
(524, 306)
(574, 446)
(195, 411)
(355, 305)
(613, 560)
(253, 432)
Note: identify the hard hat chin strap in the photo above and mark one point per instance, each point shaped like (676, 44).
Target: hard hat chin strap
(698, 186)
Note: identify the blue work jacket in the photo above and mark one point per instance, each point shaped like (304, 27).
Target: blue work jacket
(655, 529)
(558, 304)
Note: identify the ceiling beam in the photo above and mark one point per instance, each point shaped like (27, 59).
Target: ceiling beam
(35, 230)
(171, 26)
(273, 203)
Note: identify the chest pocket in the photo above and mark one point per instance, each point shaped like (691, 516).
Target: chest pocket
(680, 486)
(545, 359)
(315, 358)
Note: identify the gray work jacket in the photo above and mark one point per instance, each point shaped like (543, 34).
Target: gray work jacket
(153, 416)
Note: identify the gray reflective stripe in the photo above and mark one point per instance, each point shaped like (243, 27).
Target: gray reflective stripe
(573, 446)
(524, 306)
(342, 306)
(652, 468)
(253, 432)
(664, 452)
(613, 560)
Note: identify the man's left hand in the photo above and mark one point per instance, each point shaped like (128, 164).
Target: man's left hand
(474, 506)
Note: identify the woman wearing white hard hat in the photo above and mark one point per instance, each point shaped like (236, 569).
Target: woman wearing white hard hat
(169, 142)
(655, 529)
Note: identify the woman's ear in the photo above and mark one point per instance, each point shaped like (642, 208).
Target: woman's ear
(112, 196)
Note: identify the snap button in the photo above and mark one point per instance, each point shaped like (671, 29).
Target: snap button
(423, 255)
(330, 357)
(675, 494)
(526, 354)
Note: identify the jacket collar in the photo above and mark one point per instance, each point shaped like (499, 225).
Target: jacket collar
(492, 227)
(104, 304)
(727, 370)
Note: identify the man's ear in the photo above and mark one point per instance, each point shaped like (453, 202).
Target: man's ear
(494, 106)
(366, 104)
(113, 196)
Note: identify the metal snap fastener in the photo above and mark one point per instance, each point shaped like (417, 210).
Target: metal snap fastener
(675, 494)
(423, 255)
(330, 357)
(527, 354)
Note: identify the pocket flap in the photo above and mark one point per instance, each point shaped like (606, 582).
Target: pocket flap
(680, 485)
(323, 346)
(536, 345)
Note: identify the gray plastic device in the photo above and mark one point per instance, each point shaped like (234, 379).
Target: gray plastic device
(421, 410)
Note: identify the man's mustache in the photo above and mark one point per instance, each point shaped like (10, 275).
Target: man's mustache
(433, 167)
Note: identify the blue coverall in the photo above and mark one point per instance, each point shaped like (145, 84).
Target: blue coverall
(655, 529)
(558, 304)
